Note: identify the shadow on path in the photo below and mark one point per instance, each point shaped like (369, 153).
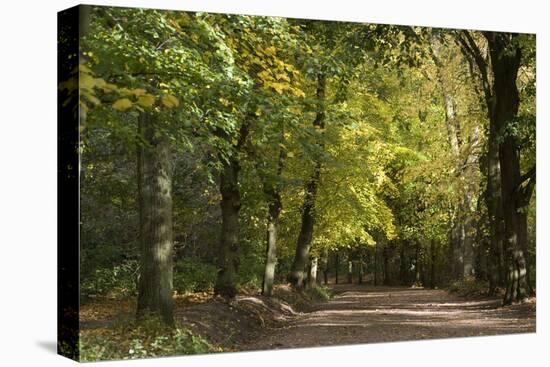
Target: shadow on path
(367, 314)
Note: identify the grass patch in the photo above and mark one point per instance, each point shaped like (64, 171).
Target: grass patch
(303, 300)
(319, 293)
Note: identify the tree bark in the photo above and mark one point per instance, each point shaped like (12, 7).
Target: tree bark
(493, 196)
(417, 265)
(432, 263)
(155, 171)
(386, 259)
(468, 237)
(360, 266)
(403, 268)
(502, 100)
(312, 277)
(375, 270)
(336, 266)
(296, 276)
(228, 262)
(505, 60)
(493, 201)
(274, 210)
(325, 265)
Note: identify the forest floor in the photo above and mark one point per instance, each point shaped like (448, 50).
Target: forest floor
(367, 314)
(356, 314)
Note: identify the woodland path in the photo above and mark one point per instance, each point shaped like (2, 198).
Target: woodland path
(367, 314)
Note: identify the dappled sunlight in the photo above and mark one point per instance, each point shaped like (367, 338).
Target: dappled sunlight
(368, 314)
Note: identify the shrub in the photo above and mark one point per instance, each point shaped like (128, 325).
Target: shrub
(192, 275)
(147, 338)
(469, 287)
(319, 293)
(117, 281)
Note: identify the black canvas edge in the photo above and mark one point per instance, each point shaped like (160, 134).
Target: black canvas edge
(68, 195)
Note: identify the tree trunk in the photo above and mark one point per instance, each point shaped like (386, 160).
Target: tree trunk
(417, 265)
(502, 100)
(493, 196)
(403, 268)
(325, 265)
(505, 59)
(468, 237)
(226, 283)
(312, 277)
(336, 266)
(228, 261)
(155, 213)
(432, 264)
(271, 251)
(350, 271)
(274, 210)
(455, 249)
(375, 270)
(493, 201)
(360, 269)
(386, 258)
(296, 276)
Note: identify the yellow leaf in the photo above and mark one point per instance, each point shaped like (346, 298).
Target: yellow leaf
(290, 155)
(108, 87)
(270, 51)
(86, 81)
(122, 104)
(139, 92)
(146, 100)
(83, 68)
(91, 97)
(99, 82)
(279, 87)
(170, 101)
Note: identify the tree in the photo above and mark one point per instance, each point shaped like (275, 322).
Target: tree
(502, 99)
(155, 171)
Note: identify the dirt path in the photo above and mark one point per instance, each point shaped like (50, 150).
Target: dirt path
(366, 314)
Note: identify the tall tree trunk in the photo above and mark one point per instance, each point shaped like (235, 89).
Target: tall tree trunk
(155, 213)
(360, 268)
(455, 248)
(386, 259)
(336, 266)
(505, 59)
(325, 265)
(230, 204)
(375, 269)
(228, 261)
(482, 248)
(350, 270)
(403, 268)
(493, 201)
(493, 196)
(502, 100)
(271, 250)
(417, 269)
(312, 276)
(274, 210)
(468, 237)
(432, 263)
(296, 276)
(462, 232)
